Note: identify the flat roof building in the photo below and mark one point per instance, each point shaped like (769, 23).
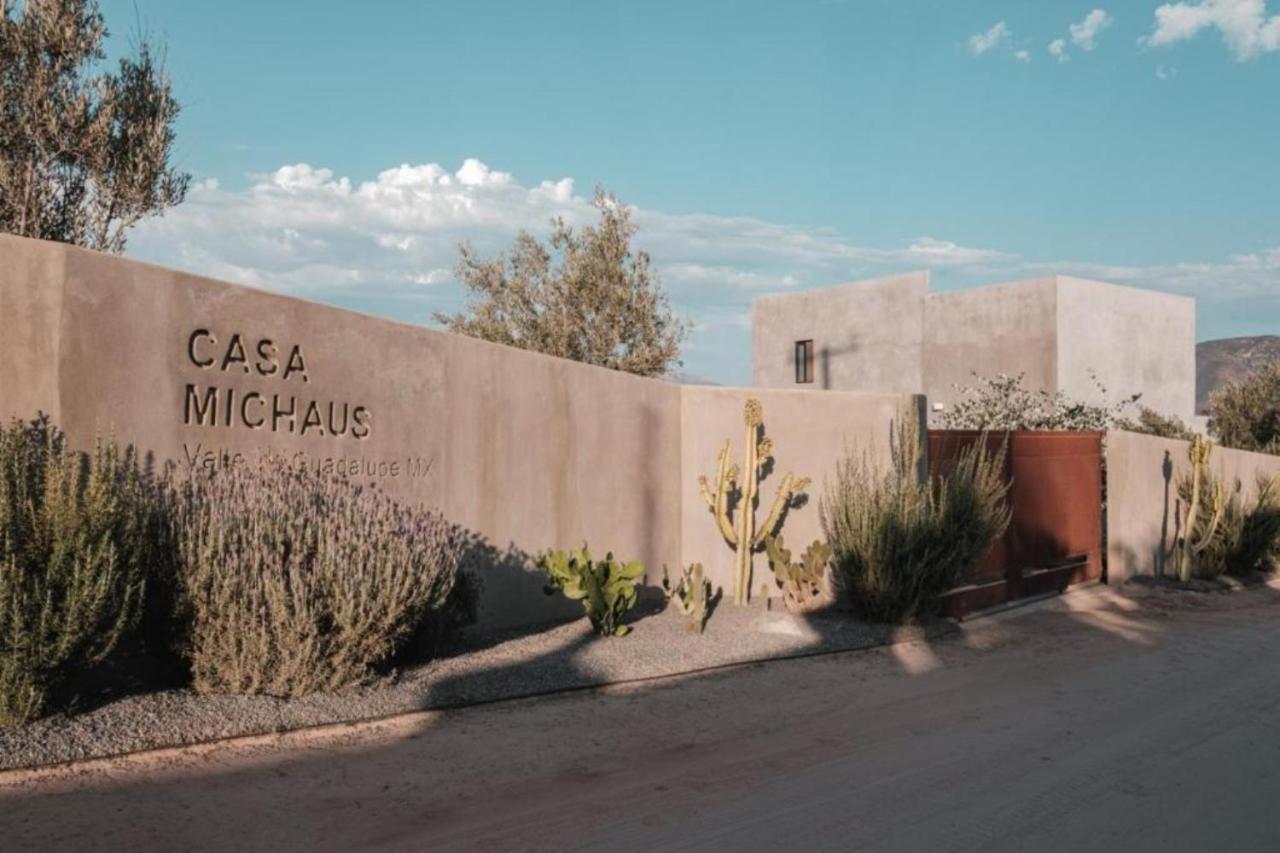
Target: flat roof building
(893, 334)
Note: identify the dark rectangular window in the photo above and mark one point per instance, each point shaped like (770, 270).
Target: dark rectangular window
(804, 362)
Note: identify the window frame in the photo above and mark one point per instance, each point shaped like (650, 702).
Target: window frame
(802, 354)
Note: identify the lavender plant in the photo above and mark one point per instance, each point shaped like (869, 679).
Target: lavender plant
(76, 538)
(294, 582)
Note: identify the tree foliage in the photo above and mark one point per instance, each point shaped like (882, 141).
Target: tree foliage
(1246, 414)
(1151, 422)
(1002, 403)
(586, 296)
(84, 155)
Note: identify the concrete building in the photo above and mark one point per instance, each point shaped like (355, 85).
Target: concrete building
(893, 335)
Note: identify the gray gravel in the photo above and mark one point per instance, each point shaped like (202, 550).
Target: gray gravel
(484, 668)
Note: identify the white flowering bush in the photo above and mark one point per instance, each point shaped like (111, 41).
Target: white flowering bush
(1002, 403)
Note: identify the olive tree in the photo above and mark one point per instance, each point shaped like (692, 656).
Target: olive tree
(1246, 414)
(84, 152)
(586, 296)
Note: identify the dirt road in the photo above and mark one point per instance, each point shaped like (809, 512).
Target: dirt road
(1087, 725)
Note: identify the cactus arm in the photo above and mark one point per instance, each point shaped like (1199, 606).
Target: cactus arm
(722, 463)
(747, 512)
(787, 489)
(1219, 507)
(720, 502)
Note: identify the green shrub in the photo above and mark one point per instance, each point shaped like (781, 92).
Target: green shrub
(607, 589)
(900, 541)
(293, 582)
(75, 536)
(1246, 414)
(1259, 542)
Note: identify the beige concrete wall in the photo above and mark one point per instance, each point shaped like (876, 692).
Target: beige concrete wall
(26, 382)
(1142, 487)
(867, 335)
(527, 451)
(1134, 340)
(1008, 328)
(810, 433)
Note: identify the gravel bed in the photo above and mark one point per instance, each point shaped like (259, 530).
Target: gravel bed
(482, 668)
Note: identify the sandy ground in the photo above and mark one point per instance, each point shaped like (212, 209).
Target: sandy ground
(485, 668)
(1097, 722)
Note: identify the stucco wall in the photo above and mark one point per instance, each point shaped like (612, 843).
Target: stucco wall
(1142, 488)
(866, 335)
(526, 451)
(1007, 328)
(1134, 340)
(810, 432)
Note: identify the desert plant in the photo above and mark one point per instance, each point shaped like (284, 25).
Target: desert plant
(743, 535)
(1199, 549)
(900, 540)
(690, 596)
(804, 584)
(607, 589)
(294, 582)
(74, 558)
(1246, 414)
(1258, 544)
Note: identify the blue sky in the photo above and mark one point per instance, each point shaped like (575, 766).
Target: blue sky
(766, 146)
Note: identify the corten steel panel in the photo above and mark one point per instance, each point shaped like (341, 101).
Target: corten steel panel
(1056, 500)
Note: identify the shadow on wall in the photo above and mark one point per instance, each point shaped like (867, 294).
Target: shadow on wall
(826, 353)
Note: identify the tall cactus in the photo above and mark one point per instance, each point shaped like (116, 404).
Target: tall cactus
(742, 534)
(1190, 545)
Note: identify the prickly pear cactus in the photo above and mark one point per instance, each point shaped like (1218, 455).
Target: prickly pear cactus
(607, 589)
(803, 584)
(690, 595)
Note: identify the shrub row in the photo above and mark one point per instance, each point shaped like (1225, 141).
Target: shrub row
(263, 577)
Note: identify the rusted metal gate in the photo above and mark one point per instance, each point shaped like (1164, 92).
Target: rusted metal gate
(1055, 536)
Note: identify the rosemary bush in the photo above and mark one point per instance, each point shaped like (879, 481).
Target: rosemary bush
(77, 540)
(293, 582)
(901, 540)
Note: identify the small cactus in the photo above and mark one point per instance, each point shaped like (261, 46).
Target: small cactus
(742, 533)
(804, 584)
(690, 595)
(607, 589)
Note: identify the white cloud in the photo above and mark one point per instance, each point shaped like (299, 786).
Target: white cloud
(1241, 276)
(980, 43)
(388, 246)
(1166, 72)
(1058, 49)
(1022, 56)
(1084, 33)
(1243, 24)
